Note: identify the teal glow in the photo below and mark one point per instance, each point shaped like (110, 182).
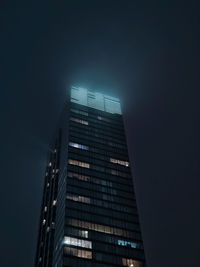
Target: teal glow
(128, 243)
(95, 100)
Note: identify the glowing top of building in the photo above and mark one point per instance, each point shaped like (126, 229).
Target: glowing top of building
(95, 100)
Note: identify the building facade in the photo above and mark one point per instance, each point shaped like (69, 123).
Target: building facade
(89, 214)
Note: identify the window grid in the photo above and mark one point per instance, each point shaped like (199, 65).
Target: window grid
(102, 133)
(113, 214)
(96, 218)
(100, 228)
(96, 174)
(104, 187)
(91, 153)
(73, 161)
(80, 253)
(101, 195)
(101, 182)
(79, 121)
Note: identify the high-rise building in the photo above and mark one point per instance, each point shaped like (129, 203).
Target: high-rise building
(89, 213)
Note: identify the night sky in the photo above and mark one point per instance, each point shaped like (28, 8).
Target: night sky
(143, 52)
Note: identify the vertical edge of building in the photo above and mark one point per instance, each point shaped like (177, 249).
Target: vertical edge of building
(52, 211)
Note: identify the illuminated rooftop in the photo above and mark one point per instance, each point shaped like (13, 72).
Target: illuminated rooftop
(95, 100)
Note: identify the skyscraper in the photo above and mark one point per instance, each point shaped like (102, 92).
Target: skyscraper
(89, 214)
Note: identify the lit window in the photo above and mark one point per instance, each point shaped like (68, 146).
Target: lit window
(128, 243)
(78, 146)
(131, 263)
(89, 179)
(121, 162)
(50, 164)
(79, 163)
(77, 111)
(80, 253)
(120, 242)
(103, 119)
(79, 176)
(99, 227)
(77, 232)
(54, 202)
(45, 208)
(82, 233)
(44, 221)
(79, 121)
(71, 241)
(78, 198)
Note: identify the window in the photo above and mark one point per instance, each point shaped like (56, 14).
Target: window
(76, 242)
(98, 202)
(79, 163)
(77, 111)
(80, 253)
(131, 263)
(99, 227)
(78, 198)
(128, 243)
(103, 119)
(89, 179)
(79, 121)
(78, 146)
(118, 173)
(121, 162)
(114, 145)
(77, 232)
(79, 176)
(83, 233)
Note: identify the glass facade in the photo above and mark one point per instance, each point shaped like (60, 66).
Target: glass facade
(89, 214)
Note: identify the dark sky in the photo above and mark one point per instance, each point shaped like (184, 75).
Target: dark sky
(144, 52)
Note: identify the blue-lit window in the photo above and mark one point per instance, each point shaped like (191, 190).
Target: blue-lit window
(78, 146)
(128, 243)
